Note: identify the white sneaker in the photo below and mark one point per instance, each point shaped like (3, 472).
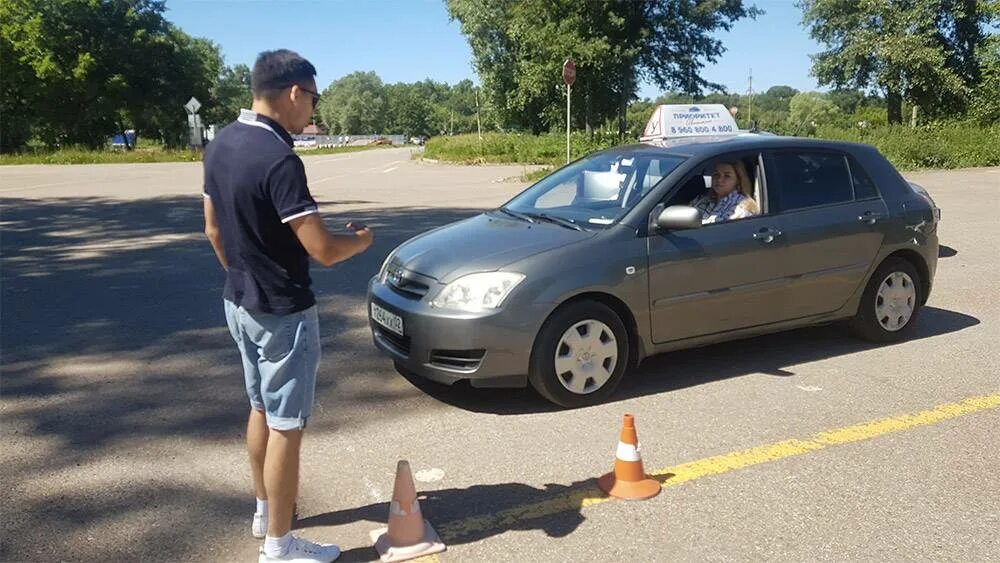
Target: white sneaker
(303, 551)
(259, 526)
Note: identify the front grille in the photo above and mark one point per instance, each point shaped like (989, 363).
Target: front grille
(401, 344)
(404, 283)
(465, 361)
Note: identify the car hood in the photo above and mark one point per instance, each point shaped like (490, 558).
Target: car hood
(482, 243)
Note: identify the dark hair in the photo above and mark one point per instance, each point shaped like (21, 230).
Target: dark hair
(276, 70)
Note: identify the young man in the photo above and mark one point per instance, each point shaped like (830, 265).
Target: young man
(264, 225)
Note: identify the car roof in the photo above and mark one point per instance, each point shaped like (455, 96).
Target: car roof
(708, 146)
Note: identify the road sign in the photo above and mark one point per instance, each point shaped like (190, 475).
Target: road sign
(569, 72)
(193, 105)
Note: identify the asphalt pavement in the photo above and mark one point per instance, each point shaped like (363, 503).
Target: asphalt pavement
(123, 412)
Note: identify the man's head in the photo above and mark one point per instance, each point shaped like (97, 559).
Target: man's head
(285, 82)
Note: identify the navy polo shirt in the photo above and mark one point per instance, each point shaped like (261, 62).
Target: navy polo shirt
(257, 184)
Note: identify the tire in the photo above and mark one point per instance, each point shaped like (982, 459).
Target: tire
(879, 320)
(596, 325)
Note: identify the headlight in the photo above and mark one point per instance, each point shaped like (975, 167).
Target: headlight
(385, 266)
(477, 292)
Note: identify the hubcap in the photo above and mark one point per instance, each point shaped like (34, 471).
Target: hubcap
(586, 357)
(895, 301)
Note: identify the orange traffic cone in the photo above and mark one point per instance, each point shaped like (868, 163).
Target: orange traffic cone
(628, 480)
(408, 536)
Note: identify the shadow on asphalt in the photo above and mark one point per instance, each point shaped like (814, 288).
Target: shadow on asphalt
(462, 516)
(95, 280)
(113, 336)
(771, 355)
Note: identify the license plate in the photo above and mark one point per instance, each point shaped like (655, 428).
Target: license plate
(389, 320)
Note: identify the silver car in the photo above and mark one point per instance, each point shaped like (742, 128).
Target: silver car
(605, 262)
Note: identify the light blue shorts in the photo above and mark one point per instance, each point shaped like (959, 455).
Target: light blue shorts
(280, 358)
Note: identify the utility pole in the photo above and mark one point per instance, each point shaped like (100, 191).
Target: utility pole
(569, 77)
(479, 125)
(750, 96)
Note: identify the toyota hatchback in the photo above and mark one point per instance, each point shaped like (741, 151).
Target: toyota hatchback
(632, 251)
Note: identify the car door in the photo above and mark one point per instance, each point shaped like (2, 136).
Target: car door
(718, 277)
(830, 213)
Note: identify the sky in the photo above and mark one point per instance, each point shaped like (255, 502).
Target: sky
(411, 40)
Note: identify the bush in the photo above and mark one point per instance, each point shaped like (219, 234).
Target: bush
(515, 148)
(955, 144)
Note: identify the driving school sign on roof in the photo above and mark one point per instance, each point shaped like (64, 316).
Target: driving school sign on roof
(682, 120)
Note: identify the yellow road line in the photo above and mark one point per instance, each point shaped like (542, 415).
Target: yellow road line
(678, 474)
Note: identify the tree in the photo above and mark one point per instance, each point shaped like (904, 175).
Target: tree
(984, 105)
(89, 69)
(409, 111)
(354, 105)
(519, 48)
(808, 110)
(921, 51)
(230, 93)
(776, 98)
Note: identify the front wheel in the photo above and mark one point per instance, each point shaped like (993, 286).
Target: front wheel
(890, 304)
(580, 355)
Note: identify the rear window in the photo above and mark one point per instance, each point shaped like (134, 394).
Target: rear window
(864, 187)
(809, 179)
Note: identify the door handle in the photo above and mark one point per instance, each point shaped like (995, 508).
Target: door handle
(767, 236)
(869, 217)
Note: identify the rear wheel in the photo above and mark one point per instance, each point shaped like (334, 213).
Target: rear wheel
(580, 355)
(891, 302)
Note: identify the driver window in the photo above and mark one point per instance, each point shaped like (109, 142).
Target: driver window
(725, 189)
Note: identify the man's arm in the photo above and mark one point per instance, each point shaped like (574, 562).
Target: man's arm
(329, 249)
(213, 233)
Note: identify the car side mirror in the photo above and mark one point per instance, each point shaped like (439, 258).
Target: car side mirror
(679, 217)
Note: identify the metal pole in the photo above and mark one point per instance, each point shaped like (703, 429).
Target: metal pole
(479, 125)
(569, 89)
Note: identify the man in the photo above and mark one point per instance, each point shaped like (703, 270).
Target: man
(264, 225)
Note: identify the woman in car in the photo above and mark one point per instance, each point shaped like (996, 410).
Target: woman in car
(729, 197)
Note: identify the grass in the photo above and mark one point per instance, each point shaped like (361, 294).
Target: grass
(139, 155)
(937, 145)
(512, 148)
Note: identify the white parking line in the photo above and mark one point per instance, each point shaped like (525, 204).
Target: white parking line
(387, 170)
(333, 159)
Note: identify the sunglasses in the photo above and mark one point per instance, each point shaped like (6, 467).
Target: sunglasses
(315, 95)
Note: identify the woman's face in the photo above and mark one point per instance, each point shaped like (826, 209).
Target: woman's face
(724, 180)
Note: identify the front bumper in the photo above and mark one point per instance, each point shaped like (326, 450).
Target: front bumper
(490, 349)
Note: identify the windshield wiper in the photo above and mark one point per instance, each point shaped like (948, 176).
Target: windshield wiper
(516, 215)
(568, 223)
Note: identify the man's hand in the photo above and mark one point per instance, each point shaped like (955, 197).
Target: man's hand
(329, 249)
(362, 232)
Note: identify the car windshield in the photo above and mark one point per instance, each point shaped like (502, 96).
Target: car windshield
(595, 191)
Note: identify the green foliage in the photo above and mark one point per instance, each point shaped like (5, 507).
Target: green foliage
(984, 105)
(354, 104)
(519, 48)
(230, 94)
(954, 144)
(145, 152)
(947, 145)
(77, 72)
(808, 110)
(501, 148)
(85, 155)
(360, 103)
(921, 51)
